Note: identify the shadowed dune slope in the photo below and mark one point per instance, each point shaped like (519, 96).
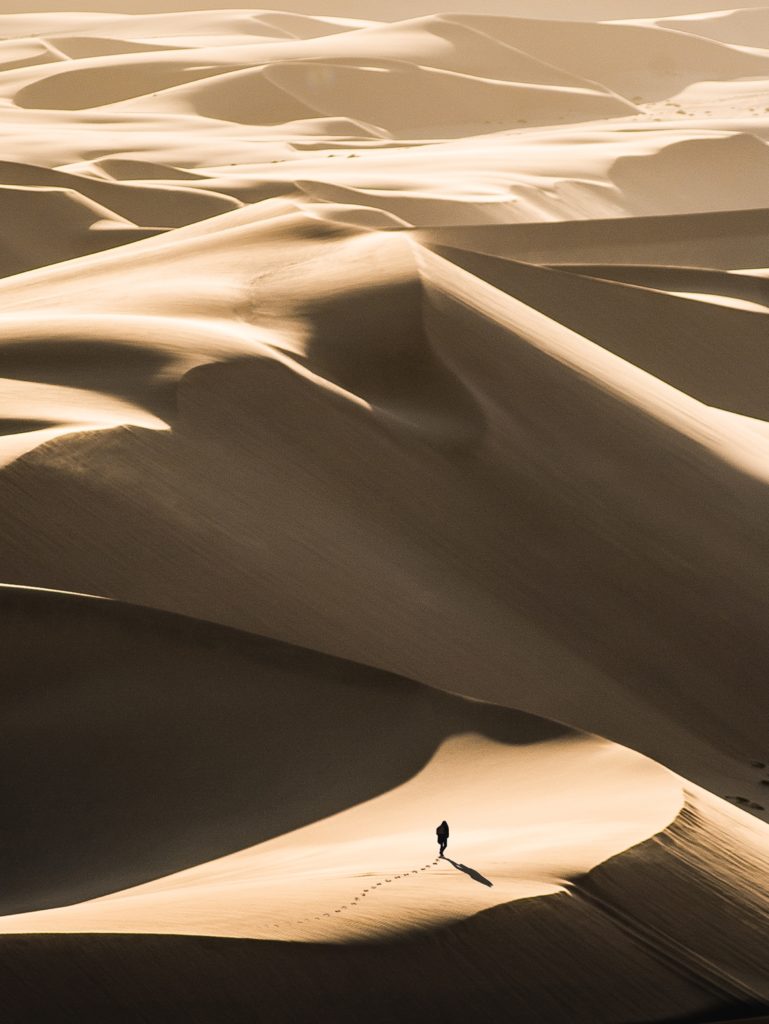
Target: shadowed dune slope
(463, 972)
(711, 352)
(74, 88)
(43, 225)
(744, 26)
(402, 98)
(726, 240)
(629, 59)
(568, 532)
(692, 281)
(145, 205)
(176, 741)
(19, 53)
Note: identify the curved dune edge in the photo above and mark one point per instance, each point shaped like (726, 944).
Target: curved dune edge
(525, 821)
(308, 733)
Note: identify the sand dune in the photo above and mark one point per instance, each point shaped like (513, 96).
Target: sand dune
(677, 340)
(668, 172)
(729, 241)
(709, 285)
(42, 225)
(307, 886)
(148, 205)
(745, 26)
(384, 438)
(429, 403)
(18, 53)
(652, 62)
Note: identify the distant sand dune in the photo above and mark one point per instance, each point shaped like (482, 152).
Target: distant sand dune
(745, 26)
(696, 281)
(19, 53)
(626, 58)
(712, 352)
(147, 205)
(728, 240)
(42, 225)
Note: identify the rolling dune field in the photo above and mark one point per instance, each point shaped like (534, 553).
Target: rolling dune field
(384, 438)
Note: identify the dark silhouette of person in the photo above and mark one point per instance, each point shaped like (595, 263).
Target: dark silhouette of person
(442, 832)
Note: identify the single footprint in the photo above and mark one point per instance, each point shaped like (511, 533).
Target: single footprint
(757, 764)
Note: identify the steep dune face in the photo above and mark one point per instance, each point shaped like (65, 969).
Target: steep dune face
(364, 367)
(681, 342)
(369, 344)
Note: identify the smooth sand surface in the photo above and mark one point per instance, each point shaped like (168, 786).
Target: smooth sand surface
(383, 439)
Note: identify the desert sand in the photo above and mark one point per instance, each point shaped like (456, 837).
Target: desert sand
(384, 439)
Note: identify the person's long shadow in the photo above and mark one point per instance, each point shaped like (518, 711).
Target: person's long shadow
(476, 875)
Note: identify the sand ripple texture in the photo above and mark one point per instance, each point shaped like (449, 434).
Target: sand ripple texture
(383, 439)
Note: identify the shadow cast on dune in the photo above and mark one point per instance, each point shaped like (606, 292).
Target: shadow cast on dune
(552, 959)
(122, 369)
(730, 239)
(391, 365)
(164, 739)
(475, 875)
(539, 961)
(516, 547)
(679, 341)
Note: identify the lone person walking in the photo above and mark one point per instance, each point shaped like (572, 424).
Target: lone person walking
(442, 831)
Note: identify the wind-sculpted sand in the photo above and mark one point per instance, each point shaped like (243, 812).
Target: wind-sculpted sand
(383, 439)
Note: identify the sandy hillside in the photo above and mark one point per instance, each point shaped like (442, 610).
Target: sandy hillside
(384, 439)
